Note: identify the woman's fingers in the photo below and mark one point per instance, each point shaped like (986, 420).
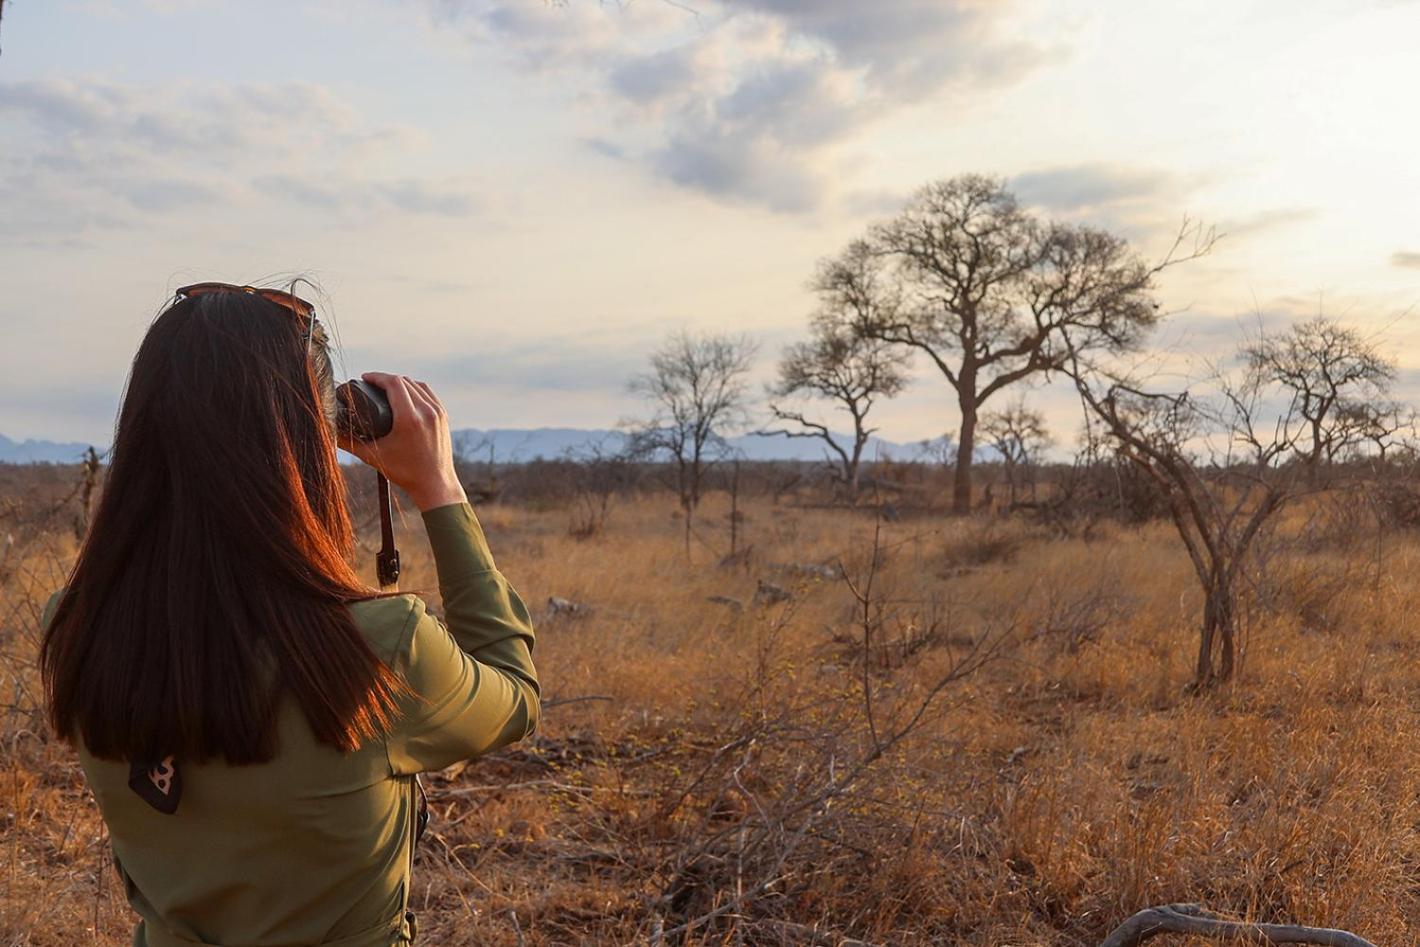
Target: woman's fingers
(396, 391)
(433, 398)
(416, 455)
(421, 395)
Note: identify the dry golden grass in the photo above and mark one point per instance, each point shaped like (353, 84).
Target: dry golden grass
(1062, 786)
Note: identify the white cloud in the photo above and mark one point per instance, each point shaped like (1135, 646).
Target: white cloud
(88, 155)
(749, 100)
(1140, 202)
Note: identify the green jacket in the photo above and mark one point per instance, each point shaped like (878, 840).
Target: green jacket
(315, 847)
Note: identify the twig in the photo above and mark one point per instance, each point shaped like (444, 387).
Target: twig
(536, 784)
(558, 702)
(813, 935)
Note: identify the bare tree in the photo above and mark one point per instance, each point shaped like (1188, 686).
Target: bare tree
(468, 447)
(850, 370)
(697, 389)
(1385, 425)
(1019, 435)
(937, 451)
(600, 470)
(1219, 502)
(983, 288)
(1337, 381)
(1227, 453)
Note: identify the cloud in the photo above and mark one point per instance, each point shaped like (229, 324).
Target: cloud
(910, 48)
(1140, 202)
(168, 195)
(605, 147)
(733, 168)
(214, 123)
(755, 142)
(304, 190)
(1091, 187)
(88, 155)
(1212, 335)
(1406, 259)
(424, 197)
(657, 78)
(584, 364)
(876, 202)
(748, 100)
(357, 197)
(1267, 220)
(1137, 202)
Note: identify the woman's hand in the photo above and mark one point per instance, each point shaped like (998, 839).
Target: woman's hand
(417, 454)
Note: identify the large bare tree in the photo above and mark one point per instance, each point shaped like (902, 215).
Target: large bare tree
(697, 388)
(983, 289)
(849, 370)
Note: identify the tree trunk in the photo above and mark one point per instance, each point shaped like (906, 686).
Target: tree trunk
(86, 497)
(855, 462)
(687, 506)
(1219, 629)
(688, 515)
(966, 445)
(735, 512)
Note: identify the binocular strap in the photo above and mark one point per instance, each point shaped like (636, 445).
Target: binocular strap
(387, 560)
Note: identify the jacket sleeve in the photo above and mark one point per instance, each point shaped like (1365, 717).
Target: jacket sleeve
(474, 685)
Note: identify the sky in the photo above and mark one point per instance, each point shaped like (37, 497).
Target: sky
(517, 200)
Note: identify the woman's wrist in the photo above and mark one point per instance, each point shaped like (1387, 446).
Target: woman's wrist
(436, 495)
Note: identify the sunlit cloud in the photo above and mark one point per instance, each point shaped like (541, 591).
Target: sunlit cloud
(750, 100)
(1135, 201)
(92, 155)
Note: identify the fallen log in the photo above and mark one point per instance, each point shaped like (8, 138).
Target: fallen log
(1194, 919)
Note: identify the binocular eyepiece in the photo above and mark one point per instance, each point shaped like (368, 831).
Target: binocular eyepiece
(362, 411)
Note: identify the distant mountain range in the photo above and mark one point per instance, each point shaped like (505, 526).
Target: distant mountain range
(40, 452)
(516, 445)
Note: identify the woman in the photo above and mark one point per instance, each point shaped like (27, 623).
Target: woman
(249, 714)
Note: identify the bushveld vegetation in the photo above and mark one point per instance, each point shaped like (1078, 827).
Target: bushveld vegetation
(983, 700)
(873, 723)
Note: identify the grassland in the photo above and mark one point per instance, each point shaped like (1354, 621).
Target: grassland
(717, 754)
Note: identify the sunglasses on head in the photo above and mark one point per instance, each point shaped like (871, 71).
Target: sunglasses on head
(289, 301)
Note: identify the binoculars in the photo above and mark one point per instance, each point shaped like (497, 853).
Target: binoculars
(362, 411)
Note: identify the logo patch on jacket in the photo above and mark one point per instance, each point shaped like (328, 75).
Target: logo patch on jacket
(158, 784)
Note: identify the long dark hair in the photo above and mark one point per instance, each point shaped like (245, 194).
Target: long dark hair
(216, 574)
